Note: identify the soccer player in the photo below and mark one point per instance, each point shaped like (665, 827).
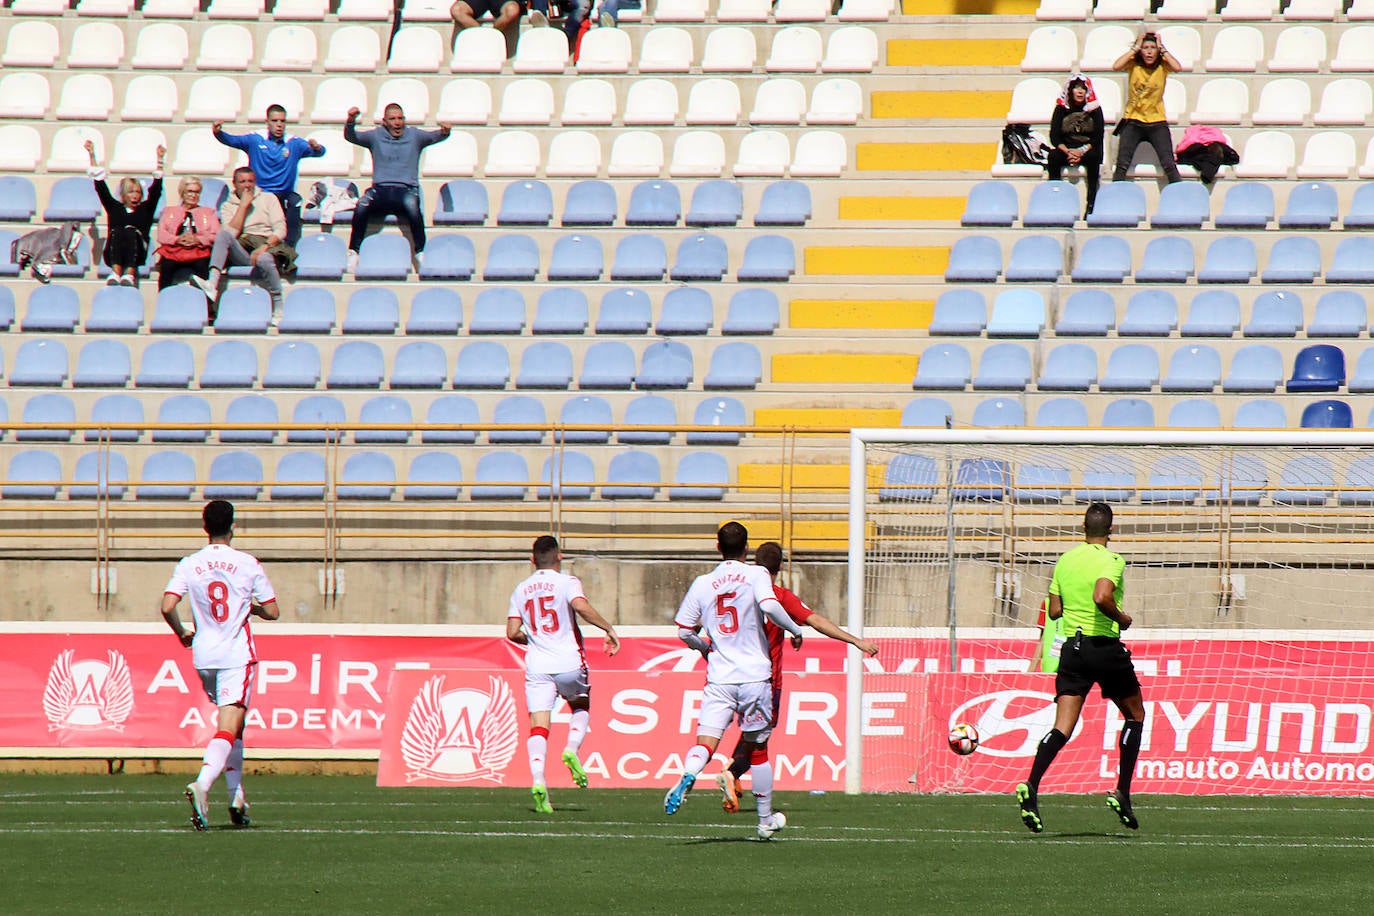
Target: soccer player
(225, 587)
(731, 603)
(1086, 591)
(769, 556)
(541, 618)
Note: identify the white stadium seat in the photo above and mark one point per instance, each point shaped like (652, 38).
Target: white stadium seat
(1299, 49)
(96, 45)
(821, 154)
(713, 101)
(150, 98)
(541, 51)
(1328, 154)
(1355, 52)
(161, 46)
(651, 101)
(86, 97)
(24, 95)
(1345, 101)
(225, 47)
(20, 148)
(417, 49)
(850, 49)
(1051, 47)
(290, 47)
(605, 51)
(135, 150)
(574, 154)
(636, 154)
(513, 154)
(665, 49)
(1237, 47)
(199, 153)
(1283, 101)
(214, 98)
(410, 93)
(67, 151)
(354, 48)
(797, 49)
(31, 44)
(479, 51)
(698, 154)
(465, 101)
(780, 100)
(589, 101)
(456, 157)
(743, 10)
(1267, 154)
(338, 157)
(763, 153)
(277, 90)
(527, 101)
(1103, 46)
(1222, 100)
(836, 101)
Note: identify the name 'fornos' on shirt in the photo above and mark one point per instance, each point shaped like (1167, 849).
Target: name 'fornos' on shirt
(543, 603)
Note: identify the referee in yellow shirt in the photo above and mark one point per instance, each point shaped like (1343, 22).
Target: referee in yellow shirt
(1086, 591)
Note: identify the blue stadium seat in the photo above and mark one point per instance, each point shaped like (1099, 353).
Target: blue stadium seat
(462, 202)
(482, 364)
(53, 309)
(566, 475)
(367, 475)
(647, 410)
(383, 257)
(717, 412)
(909, 477)
(299, 475)
(8, 268)
(1173, 479)
(49, 409)
(244, 310)
(991, 203)
(1361, 212)
(1339, 313)
(115, 309)
(608, 364)
(321, 256)
(718, 202)
(734, 365)
(72, 199)
(1248, 205)
(666, 364)
(356, 364)
(770, 258)
(1131, 367)
(512, 257)
(434, 475)
(116, 408)
(1107, 479)
(7, 302)
(40, 362)
(1149, 313)
(1182, 205)
(986, 479)
(576, 257)
(974, 259)
(451, 410)
(322, 415)
(1320, 367)
(1353, 261)
(1196, 367)
(1043, 478)
(1087, 313)
(1069, 413)
(624, 311)
(251, 408)
(307, 310)
(752, 311)
(437, 310)
(1035, 259)
(1327, 415)
(1230, 259)
(99, 475)
(292, 364)
(235, 475)
(632, 475)
(546, 364)
(525, 203)
(1260, 414)
(959, 313)
(18, 199)
(1306, 480)
(1212, 313)
(586, 410)
(372, 310)
(1003, 367)
(180, 309)
(383, 410)
(1103, 259)
(943, 366)
(1275, 314)
(1258, 367)
(228, 364)
(1199, 413)
(784, 203)
(103, 364)
(996, 412)
(518, 409)
(1069, 367)
(1311, 205)
(1241, 481)
(166, 475)
(449, 257)
(498, 310)
(1120, 204)
(929, 412)
(1017, 313)
(1295, 259)
(33, 474)
(1362, 379)
(499, 475)
(1167, 259)
(654, 203)
(1358, 489)
(640, 257)
(700, 257)
(561, 310)
(590, 203)
(687, 310)
(700, 475)
(1052, 204)
(419, 364)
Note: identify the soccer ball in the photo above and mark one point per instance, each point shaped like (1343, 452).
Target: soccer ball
(963, 739)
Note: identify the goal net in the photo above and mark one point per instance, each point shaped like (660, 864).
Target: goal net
(1249, 577)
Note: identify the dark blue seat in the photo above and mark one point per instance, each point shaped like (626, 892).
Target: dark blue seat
(1320, 367)
(1212, 313)
(991, 203)
(1327, 415)
(718, 202)
(654, 203)
(526, 203)
(1087, 313)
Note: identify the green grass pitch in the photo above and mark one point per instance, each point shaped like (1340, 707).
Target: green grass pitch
(338, 844)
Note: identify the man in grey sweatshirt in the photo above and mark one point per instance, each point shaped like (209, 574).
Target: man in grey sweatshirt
(395, 174)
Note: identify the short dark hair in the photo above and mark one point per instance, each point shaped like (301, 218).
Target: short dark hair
(1097, 521)
(242, 169)
(218, 517)
(275, 107)
(769, 556)
(733, 541)
(391, 105)
(545, 551)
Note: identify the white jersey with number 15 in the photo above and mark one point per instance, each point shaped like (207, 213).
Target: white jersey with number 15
(725, 603)
(543, 602)
(222, 584)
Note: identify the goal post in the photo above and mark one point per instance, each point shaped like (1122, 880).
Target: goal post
(1249, 576)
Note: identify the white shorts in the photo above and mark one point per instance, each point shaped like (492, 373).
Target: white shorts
(228, 686)
(543, 690)
(753, 702)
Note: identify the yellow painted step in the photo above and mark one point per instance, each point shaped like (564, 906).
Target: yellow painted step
(803, 476)
(876, 260)
(950, 104)
(955, 52)
(970, 8)
(925, 157)
(905, 208)
(844, 368)
(817, 417)
(899, 314)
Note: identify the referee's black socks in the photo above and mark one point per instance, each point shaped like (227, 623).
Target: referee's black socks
(1049, 748)
(1130, 750)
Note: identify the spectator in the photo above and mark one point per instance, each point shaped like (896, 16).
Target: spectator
(1077, 133)
(577, 17)
(274, 157)
(185, 237)
(395, 175)
(130, 219)
(1206, 149)
(504, 13)
(1147, 65)
(252, 229)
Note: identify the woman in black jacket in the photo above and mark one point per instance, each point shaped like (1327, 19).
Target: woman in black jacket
(130, 219)
(1077, 134)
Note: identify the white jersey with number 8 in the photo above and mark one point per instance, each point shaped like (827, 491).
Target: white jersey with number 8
(543, 603)
(725, 603)
(222, 584)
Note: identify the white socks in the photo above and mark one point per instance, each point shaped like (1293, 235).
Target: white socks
(762, 776)
(538, 746)
(216, 755)
(696, 760)
(578, 728)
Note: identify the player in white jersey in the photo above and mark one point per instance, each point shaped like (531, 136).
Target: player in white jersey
(225, 587)
(543, 617)
(731, 604)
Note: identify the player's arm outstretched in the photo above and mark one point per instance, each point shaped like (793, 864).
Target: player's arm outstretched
(169, 614)
(824, 625)
(584, 609)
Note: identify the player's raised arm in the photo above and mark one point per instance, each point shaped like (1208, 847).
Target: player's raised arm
(824, 625)
(584, 609)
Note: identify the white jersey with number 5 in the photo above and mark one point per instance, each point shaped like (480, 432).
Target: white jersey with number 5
(725, 603)
(222, 584)
(543, 602)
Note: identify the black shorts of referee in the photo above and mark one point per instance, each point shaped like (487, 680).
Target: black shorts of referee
(1088, 660)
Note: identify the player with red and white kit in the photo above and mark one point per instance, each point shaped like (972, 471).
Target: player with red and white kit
(731, 604)
(225, 587)
(543, 616)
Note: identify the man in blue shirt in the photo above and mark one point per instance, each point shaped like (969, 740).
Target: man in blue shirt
(274, 157)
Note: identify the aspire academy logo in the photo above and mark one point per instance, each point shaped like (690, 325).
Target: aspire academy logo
(460, 735)
(88, 694)
(1010, 723)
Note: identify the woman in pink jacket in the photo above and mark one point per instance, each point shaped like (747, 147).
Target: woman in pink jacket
(185, 236)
